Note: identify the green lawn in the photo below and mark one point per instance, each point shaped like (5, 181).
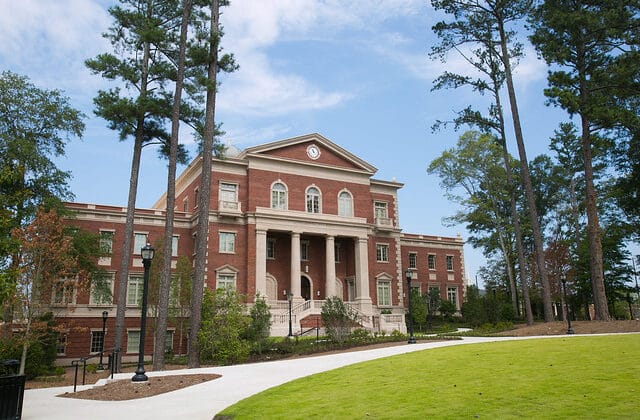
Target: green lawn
(580, 377)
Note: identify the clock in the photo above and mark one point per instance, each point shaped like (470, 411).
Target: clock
(313, 152)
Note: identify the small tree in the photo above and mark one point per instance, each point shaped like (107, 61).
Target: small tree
(447, 309)
(223, 323)
(180, 297)
(259, 323)
(338, 319)
(49, 269)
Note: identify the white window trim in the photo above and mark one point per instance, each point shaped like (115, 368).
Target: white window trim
(387, 282)
(273, 247)
(434, 261)
(111, 281)
(113, 234)
(97, 330)
(450, 258)
(304, 256)
(306, 198)
(415, 260)
(286, 196)
(227, 271)
(385, 246)
(351, 209)
(66, 282)
(220, 243)
(140, 280)
(136, 350)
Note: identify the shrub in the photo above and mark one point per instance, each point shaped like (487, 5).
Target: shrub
(223, 323)
(259, 324)
(338, 319)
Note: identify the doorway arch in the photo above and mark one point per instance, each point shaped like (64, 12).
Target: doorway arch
(305, 288)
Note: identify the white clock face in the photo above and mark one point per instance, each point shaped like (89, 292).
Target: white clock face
(313, 152)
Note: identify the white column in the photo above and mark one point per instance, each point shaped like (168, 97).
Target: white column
(362, 273)
(294, 286)
(330, 270)
(261, 263)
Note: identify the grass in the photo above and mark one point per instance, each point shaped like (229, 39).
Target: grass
(580, 377)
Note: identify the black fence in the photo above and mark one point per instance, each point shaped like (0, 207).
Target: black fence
(11, 390)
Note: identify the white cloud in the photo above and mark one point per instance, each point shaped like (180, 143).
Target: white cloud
(252, 27)
(49, 40)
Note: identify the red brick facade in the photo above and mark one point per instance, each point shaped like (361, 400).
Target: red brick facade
(334, 232)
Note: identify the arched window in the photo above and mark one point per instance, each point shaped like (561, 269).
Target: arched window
(345, 204)
(279, 196)
(313, 200)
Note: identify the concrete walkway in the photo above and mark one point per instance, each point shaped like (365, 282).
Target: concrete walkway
(204, 400)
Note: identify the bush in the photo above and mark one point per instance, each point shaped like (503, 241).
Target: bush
(338, 319)
(259, 324)
(223, 323)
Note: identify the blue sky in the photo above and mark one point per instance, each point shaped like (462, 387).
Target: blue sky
(355, 71)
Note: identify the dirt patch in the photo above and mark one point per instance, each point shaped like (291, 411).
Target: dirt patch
(579, 327)
(124, 389)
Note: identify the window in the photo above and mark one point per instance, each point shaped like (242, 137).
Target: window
(304, 250)
(384, 293)
(134, 290)
(271, 249)
(196, 196)
(174, 246)
(168, 342)
(413, 257)
(61, 344)
(313, 200)
(380, 210)
(106, 242)
(226, 281)
(382, 252)
(452, 295)
(133, 341)
(279, 196)
(345, 204)
(228, 192)
(97, 342)
(102, 290)
(227, 242)
(449, 262)
(431, 261)
(336, 252)
(139, 241)
(185, 205)
(64, 292)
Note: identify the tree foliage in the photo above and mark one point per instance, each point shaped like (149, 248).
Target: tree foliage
(338, 319)
(223, 324)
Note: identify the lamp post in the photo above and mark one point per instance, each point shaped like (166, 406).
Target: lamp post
(290, 299)
(566, 303)
(147, 255)
(412, 339)
(105, 314)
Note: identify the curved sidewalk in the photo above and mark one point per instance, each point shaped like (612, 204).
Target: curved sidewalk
(204, 400)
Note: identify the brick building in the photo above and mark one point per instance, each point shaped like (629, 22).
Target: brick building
(300, 216)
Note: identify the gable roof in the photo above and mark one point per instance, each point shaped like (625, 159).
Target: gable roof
(295, 149)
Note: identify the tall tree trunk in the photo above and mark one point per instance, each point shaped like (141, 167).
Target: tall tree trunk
(526, 179)
(593, 231)
(205, 191)
(593, 225)
(123, 277)
(165, 279)
(516, 218)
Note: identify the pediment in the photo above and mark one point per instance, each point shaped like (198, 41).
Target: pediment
(312, 149)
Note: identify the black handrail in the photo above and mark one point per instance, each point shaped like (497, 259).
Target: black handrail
(112, 358)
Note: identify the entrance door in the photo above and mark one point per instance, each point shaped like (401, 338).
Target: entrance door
(305, 288)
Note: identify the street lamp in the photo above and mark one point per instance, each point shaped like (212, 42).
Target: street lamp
(290, 299)
(412, 339)
(147, 255)
(105, 314)
(566, 303)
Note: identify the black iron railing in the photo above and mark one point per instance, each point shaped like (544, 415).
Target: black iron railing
(111, 364)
